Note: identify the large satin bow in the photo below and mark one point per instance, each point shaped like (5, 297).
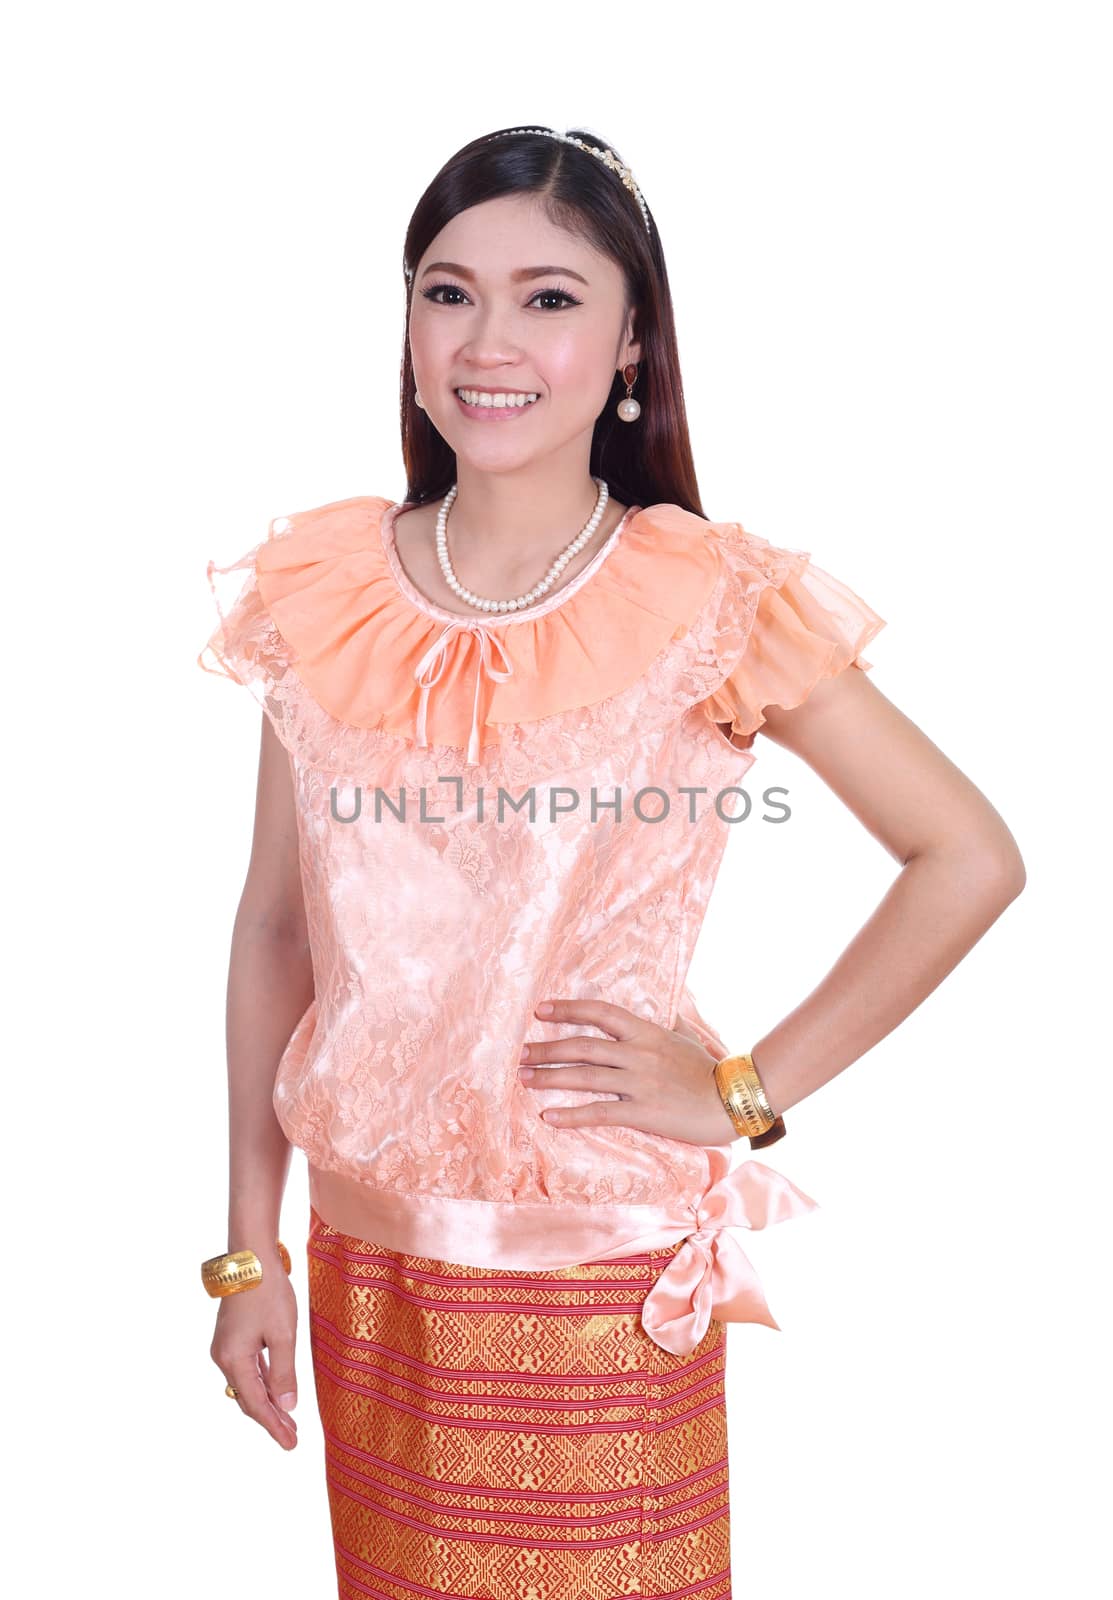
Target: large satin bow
(430, 669)
(711, 1275)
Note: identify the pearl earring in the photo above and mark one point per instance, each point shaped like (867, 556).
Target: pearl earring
(629, 410)
(418, 401)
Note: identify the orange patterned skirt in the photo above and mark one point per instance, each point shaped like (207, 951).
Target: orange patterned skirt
(494, 1435)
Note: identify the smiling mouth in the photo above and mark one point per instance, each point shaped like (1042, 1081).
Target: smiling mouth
(491, 407)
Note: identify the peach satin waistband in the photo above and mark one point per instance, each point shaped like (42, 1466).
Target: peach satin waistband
(710, 1275)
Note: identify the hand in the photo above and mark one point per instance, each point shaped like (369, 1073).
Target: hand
(664, 1077)
(258, 1319)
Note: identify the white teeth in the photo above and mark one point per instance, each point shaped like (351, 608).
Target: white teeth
(476, 397)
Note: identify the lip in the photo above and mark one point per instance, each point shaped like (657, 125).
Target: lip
(493, 413)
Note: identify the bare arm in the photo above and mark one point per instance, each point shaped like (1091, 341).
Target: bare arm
(960, 868)
(270, 984)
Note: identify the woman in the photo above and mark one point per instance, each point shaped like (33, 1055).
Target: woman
(505, 721)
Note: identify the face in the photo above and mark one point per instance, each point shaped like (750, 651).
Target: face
(492, 322)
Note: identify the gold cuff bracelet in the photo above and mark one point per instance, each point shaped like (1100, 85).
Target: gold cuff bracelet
(744, 1098)
(236, 1270)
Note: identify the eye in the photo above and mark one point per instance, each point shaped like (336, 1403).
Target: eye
(437, 289)
(560, 294)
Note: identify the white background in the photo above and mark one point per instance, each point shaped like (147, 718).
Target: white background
(886, 228)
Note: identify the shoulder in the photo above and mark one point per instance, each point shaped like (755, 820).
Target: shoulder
(723, 543)
(334, 527)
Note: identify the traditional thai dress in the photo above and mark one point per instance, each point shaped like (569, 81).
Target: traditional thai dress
(517, 1328)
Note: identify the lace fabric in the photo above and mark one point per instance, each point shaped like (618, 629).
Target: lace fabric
(436, 926)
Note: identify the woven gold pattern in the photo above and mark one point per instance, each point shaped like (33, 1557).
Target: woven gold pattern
(513, 1434)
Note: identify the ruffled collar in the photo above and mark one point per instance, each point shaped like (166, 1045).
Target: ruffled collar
(375, 653)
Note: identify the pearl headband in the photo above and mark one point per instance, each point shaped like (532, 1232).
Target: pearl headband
(605, 156)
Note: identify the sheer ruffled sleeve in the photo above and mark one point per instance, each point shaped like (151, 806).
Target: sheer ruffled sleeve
(788, 625)
(231, 648)
(245, 645)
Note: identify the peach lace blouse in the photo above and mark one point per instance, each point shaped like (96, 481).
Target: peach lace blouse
(437, 920)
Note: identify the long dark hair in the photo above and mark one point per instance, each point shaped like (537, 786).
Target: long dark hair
(646, 462)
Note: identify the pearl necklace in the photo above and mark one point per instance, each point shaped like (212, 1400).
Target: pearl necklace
(539, 589)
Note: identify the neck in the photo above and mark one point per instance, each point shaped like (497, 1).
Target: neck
(512, 516)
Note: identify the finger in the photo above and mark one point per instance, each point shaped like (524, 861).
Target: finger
(600, 1113)
(243, 1373)
(615, 1020)
(593, 1079)
(281, 1378)
(266, 1373)
(576, 1047)
(276, 1415)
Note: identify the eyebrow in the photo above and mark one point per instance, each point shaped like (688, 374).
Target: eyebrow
(515, 277)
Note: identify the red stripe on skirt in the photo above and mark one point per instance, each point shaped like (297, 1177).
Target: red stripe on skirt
(495, 1435)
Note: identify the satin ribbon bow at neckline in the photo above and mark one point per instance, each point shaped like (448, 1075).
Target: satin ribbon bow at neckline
(430, 669)
(711, 1275)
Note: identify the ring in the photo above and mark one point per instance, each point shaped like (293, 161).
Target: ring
(231, 1391)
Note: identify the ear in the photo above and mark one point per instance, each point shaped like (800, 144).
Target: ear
(633, 350)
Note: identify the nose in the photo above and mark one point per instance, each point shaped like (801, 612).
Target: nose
(491, 342)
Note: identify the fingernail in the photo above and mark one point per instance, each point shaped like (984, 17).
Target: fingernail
(544, 1008)
(287, 1401)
